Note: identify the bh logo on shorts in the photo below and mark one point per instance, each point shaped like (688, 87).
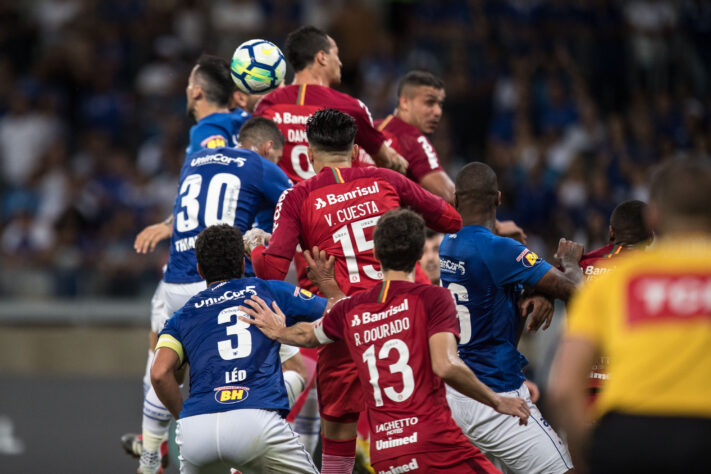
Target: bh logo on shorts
(231, 394)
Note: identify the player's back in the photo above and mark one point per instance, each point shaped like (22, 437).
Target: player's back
(291, 106)
(221, 186)
(387, 330)
(412, 144)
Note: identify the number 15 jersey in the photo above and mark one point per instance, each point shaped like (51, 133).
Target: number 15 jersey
(337, 210)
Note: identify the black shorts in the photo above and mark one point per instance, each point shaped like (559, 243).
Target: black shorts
(651, 444)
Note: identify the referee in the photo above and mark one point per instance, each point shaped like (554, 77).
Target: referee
(652, 316)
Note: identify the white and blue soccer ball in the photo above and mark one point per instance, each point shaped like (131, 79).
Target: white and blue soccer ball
(258, 66)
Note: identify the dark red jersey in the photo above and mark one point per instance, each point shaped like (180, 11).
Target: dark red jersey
(387, 330)
(337, 210)
(412, 144)
(290, 106)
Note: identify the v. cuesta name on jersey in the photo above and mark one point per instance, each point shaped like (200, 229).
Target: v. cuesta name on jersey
(227, 295)
(348, 214)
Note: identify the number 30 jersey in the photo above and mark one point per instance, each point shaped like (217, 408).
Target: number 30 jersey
(220, 186)
(232, 364)
(337, 210)
(387, 331)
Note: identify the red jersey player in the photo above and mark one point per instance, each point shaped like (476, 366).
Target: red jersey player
(402, 337)
(628, 233)
(337, 210)
(314, 56)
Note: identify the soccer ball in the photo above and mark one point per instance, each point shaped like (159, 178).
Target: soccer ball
(258, 66)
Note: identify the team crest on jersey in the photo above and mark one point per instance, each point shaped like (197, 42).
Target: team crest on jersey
(303, 294)
(231, 394)
(214, 141)
(527, 258)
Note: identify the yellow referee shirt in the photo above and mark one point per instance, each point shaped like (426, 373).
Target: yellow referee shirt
(652, 317)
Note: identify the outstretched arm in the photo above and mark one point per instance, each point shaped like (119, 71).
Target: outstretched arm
(273, 324)
(165, 382)
(148, 238)
(386, 157)
(559, 284)
(447, 365)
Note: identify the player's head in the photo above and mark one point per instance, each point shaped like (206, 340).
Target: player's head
(243, 100)
(331, 135)
(220, 253)
(309, 47)
(430, 255)
(476, 189)
(399, 238)
(680, 194)
(627, 224)
(262, 136)
(420, 98)
(209, 82)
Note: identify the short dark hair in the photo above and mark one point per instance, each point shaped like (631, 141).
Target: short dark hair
(258, 130)
(331, 130)
(419, 78)
(399, 239)
(429, 233)
(627, 221)
(476, 184)
(682, 189)
(213, 74)
(220, 253)
(303, 44)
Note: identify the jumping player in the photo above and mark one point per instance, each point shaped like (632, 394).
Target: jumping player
(402, 337)
(233, 416)
(337, 210)
(314, 56)
(486, 275)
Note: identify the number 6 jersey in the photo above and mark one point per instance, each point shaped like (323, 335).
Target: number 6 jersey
(232, 364)
(387, 331)
(218, 186)
(337, 210)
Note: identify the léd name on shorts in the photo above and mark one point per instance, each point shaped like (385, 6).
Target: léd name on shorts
(411, 466)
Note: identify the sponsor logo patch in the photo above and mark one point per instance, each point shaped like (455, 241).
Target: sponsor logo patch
(214, 141)
(527, 258)
(231, 394)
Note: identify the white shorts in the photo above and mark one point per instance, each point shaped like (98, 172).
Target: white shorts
(170, 297)
(252, 441)
(530, 449)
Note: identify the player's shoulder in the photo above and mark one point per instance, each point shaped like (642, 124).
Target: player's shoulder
(401, 128)
(282, 95)
(350, 174)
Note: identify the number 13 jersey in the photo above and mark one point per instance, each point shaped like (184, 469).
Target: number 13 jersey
(337, 210)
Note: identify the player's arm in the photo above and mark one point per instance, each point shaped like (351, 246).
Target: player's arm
(386, 157)
(439, 183)
(447, 365)
(272, 263)
(164, 378)
(273, 324)
(321, 272)
(148, 238)
(559, 284)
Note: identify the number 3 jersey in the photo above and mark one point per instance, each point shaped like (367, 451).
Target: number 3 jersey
(337, 210)
(220, 186)
(232, 364)
(387, 331)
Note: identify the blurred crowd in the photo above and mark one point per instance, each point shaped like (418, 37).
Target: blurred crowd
(573, 103)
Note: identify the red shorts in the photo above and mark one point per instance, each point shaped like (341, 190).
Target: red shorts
(444, 462)
(340, 396)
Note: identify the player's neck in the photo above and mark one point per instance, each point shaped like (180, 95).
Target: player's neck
(398, 275)
(484, 220)
(310, 76)
(203, 109)
(404, 116)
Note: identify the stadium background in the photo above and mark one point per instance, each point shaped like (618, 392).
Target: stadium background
(573, 103)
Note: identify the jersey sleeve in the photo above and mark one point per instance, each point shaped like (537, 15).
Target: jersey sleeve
(367, 136)
(296, 303)
(209, 136)
(510, 262)
(422, 158)
(272, 263)
(439, 215)
(441, 311)
(330, 327)
(170, 337)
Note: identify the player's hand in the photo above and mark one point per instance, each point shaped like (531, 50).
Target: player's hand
(568, 252)
(513, 406)
(399, 164)
(269, 322)
(253, 238)
(540, 309)
(533, 390)
(148, 238)
(511, 230)
(319, 267)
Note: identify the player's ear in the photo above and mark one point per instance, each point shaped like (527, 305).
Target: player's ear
(611, 233)
(310, 154)
(354, 153)
(498, 198)
(239, 98)
(321, 58)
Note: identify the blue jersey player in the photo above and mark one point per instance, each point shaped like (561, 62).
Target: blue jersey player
(496, 282)
(234, 414)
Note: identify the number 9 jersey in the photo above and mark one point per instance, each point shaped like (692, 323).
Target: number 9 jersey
(232, 364)
(218, 186)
